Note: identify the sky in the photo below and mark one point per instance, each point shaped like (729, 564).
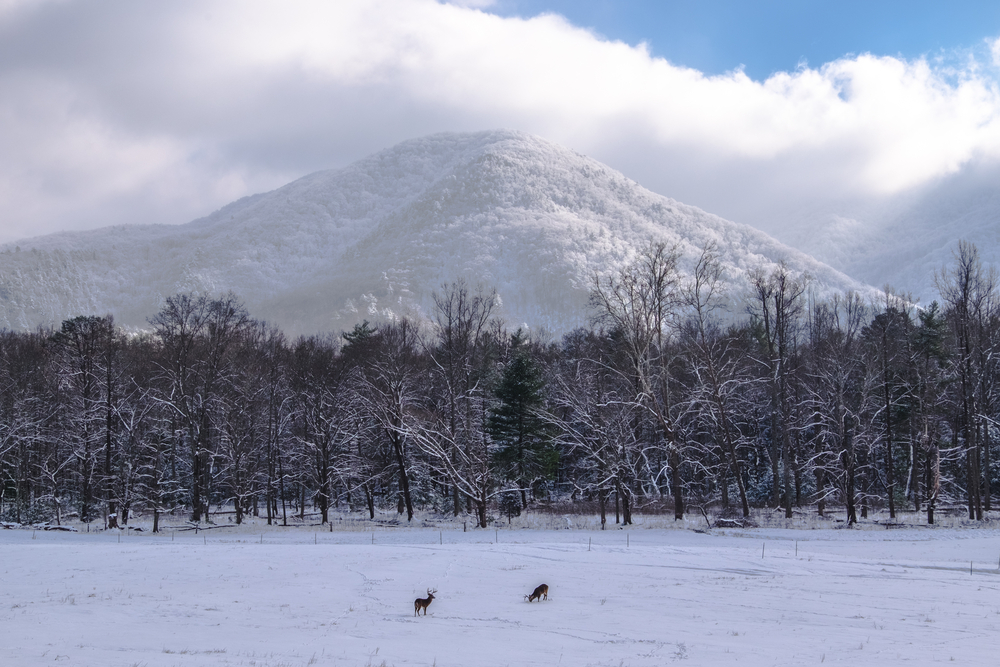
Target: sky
(770, 36)
(122, 112)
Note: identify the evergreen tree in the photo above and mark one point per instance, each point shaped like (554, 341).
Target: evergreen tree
(524, 452)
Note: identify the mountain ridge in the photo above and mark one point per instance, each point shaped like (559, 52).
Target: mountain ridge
(500, 208)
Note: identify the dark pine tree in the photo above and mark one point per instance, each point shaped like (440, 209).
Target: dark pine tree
(524, 451)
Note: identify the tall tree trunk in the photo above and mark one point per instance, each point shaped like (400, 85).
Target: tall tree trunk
(404, 480)
(987, 504)
(196, 463)
(675, 483)
(890, 479)
(933, 483)
(109, 490)
(820, 491)
(774, 453)
(618, 497)
(302, 502)
(481, 507)
(849, 469)
(724, 486)
(369, 500)
(864, 482)
(786, 472)
(914, 472)
(797, 477)
(626, 505)
(281, 492)
(324, 491)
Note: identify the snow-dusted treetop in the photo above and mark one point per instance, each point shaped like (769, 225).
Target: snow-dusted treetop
(501, 208)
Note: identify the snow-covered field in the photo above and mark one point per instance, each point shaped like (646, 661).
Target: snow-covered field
(267, 596)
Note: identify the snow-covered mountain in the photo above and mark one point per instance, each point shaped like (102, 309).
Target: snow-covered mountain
(906, 239)
(502, 209)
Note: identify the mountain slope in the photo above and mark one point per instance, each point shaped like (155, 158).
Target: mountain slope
(503, 209)
(906, 240)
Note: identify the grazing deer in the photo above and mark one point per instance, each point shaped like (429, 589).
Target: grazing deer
(423, 603)
(539, 593)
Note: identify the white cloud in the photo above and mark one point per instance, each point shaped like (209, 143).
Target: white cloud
(473, 4)
(202, 102)
(8, 7)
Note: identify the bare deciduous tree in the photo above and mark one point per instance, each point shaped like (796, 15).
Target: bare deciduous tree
(640, 304)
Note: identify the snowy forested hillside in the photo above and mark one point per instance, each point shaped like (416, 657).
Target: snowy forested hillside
(502, 209)
(904, 240)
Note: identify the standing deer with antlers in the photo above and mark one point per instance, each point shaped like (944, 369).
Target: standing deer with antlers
(538, 593)
(423, 603)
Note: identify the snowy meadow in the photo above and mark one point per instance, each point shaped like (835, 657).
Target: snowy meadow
(652, 594)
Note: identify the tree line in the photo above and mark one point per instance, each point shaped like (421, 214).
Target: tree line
(676, 396)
